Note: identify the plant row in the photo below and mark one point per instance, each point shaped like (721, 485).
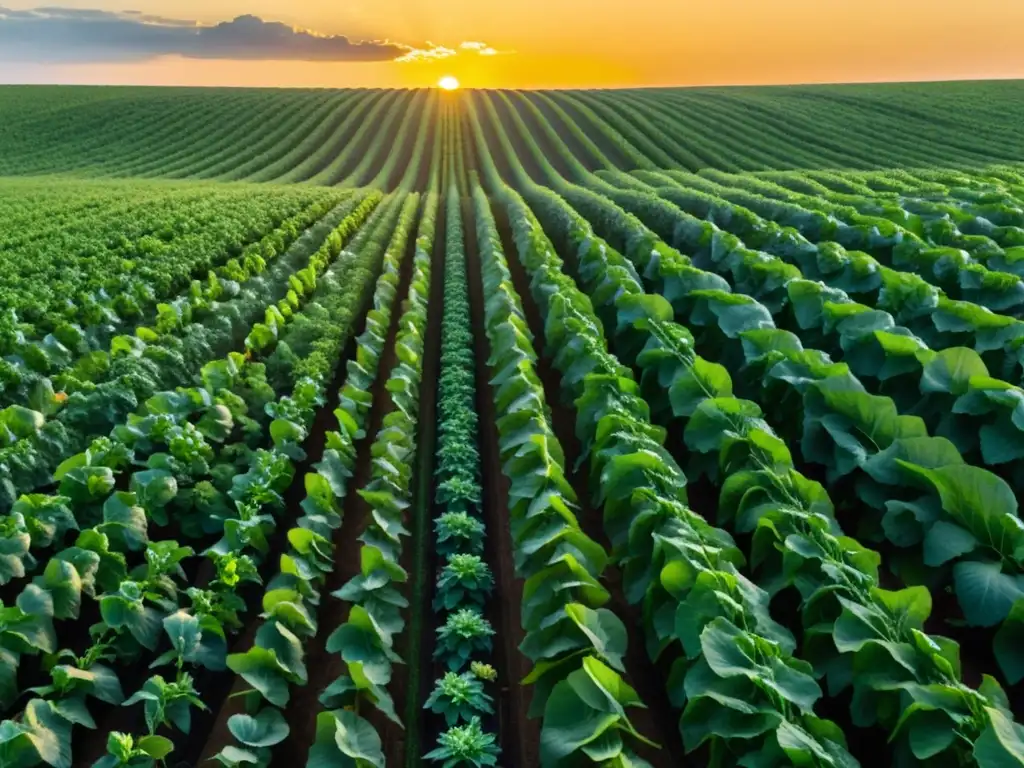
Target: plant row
(925, 495)
(276, 660)
(139, 368)
(348, 728)
(133, 246)
(464, 584)
(762, 494)
(135, 579)
(575, 644)
(609, 287)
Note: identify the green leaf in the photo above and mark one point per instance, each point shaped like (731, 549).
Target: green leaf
(1001, 744)
(87, 484)
(911, 606)
(945, 541)
(888, 466)
(985, 593)
(124, 522)
(51, 733)
(261, 669)
(20, 421)
(105, 684)
(1009, 644)
(715, 420)
(582, 708)
(357, 739)
(700, 381)
(156, 747)
(569, 724)
(730, 652)
(931, 732)
(981, 502)
(724, 708)
(635, 306)
(359, 640)
(233, 756)
(950, 370)
(345, 740)
(265, 730)
(803, 749)
(184, 632)
(284, 431)
(336, 470)
(261, 337)
(604, 629)
(154, 488)
(62, 580)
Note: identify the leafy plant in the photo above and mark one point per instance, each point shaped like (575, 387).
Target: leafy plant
(484, 671)
(459, 532)
(124, 750)
(258, 734)
(459, 697)
(465, 745)
(464, 633)
(464, 581)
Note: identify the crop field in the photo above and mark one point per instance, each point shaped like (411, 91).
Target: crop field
(620, 428)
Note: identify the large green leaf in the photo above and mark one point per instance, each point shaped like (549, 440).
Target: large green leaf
(124, 522)
(20, 422)
(1001, 744)
(715, 420)
(569, 724)
(945, 541)
(985, 593)
(1009, 644)
(264, 730)
(604, 629)
(910, 607)
(724, 708)
(950, 370)
(806, 751)
(345, 740)
(260, 668)
(358, 640)
(185, 634)
(698, 382)
(981, 502)
(730, 652)
(929, 452)
(51, 733)
(582, 708)
(157, 747)
(154, 488)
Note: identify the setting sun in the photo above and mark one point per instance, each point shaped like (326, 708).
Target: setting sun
(448, 83)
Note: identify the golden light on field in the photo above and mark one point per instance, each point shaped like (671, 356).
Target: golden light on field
(448, 83)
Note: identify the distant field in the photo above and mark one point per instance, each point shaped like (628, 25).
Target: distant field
(637, 429)
(335, 136)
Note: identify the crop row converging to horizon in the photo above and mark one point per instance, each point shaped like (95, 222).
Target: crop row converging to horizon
(392, 428)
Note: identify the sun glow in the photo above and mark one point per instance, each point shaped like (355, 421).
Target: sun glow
(448, 83)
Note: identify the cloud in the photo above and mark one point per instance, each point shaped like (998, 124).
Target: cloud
(482, 48)
(430, 53)
(86, 35)
(434, 52)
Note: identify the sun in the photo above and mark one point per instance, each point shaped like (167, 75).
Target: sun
(448, 83)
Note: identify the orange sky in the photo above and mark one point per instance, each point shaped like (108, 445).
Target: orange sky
(595, 43)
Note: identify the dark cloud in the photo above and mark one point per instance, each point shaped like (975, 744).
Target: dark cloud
(84, 35)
